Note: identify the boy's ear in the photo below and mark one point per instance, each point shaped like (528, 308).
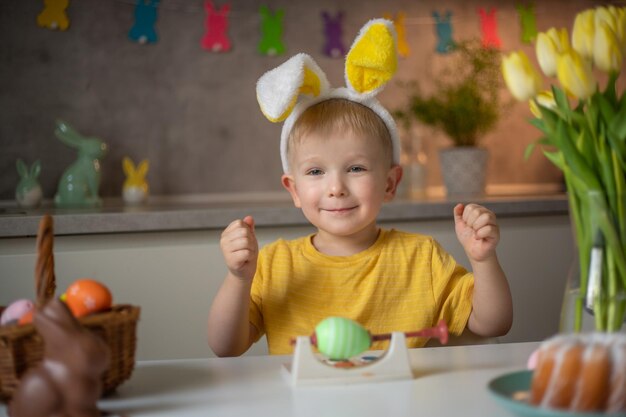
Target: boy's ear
(290, 185)
(394, 176)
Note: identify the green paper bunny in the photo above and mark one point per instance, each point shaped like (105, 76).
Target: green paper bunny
(271, 32)
(80, 182)
(527, 21)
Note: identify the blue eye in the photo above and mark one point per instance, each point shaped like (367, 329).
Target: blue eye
(356, 169)
(314, 171)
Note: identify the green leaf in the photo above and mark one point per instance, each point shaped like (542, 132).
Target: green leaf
(617, 125)
(529, 150)
(606, 108)
(549, 117)
(560, 98)
(556, 158)
(619, 148)
(610, 93)
(539, 124)
(573, 158)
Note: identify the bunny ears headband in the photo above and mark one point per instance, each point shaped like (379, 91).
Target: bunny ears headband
(285, 92)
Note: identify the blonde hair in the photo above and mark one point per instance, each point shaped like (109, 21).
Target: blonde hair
(338, 114)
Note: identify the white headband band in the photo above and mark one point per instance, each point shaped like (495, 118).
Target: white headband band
(285, 92)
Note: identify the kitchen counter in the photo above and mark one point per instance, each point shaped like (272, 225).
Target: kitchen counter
(268, 209)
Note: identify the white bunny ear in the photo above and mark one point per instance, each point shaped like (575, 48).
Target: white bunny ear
(372, 59)
(277, 90)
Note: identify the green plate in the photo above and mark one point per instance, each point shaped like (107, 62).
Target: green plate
(503, 387)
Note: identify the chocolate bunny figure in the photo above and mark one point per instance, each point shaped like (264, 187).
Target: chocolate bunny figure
(68, 382)
(80, 182)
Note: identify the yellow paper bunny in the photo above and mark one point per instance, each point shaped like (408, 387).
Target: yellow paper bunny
(135, 188)
(403, 46)
(53, 16)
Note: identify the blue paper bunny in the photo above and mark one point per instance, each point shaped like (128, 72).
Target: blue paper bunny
(445, 43)
(145, 17)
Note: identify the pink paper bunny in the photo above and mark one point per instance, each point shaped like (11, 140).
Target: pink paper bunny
(489, 28)
(216, 38)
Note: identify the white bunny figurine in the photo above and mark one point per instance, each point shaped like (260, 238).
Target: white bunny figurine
(80, 182)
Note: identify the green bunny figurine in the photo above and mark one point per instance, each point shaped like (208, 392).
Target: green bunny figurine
(28, 191)
(80, 182)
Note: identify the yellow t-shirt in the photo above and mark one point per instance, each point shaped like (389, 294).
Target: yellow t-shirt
(403, 282)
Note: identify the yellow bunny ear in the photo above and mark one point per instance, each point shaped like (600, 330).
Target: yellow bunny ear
(372, 60)
(277, 90)
(129, 167)
(142, 169)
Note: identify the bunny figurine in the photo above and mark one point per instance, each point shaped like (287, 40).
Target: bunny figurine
(68, 381)
(135, 189)
(28, 191)
(80, 182)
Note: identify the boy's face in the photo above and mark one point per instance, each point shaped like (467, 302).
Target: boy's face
(340, 181)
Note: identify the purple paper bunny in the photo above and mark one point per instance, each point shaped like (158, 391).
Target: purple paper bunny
(333, 47)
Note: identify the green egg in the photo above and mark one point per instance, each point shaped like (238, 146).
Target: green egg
(340, 338)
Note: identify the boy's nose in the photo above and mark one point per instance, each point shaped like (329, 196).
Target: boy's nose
(336, 188)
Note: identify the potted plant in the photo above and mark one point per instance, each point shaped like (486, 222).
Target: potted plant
(464, 105)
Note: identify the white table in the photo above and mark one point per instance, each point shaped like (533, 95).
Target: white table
(449, 381)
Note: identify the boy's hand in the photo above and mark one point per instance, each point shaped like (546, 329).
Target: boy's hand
(240, 248)
(477, 230)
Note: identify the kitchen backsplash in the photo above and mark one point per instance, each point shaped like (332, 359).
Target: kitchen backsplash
(194, 113)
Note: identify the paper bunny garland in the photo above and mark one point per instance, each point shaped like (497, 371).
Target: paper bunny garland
(216, 36)
(370, 64)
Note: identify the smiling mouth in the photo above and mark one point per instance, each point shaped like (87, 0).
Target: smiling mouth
(340, 210)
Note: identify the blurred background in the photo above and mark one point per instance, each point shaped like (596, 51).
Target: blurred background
(193, 113)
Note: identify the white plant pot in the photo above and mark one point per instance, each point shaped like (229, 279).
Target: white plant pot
(464, 170)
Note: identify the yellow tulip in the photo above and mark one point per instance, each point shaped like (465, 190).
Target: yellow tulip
(583, 33)
(543, 99)
(575, 75)
(607, 51)
(548, 46)
(606, 14)
(620, 28)
(522, 79)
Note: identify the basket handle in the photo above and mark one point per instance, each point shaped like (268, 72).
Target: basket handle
(45, 281)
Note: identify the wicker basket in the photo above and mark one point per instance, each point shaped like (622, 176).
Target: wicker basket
(22, 347)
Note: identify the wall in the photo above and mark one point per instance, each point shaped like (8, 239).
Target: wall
(174, 276)
(194, 114)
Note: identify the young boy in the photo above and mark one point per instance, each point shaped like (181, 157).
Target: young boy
(340, 157)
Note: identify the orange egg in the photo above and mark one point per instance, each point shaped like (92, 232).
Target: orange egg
(27, 317)
(86, 296)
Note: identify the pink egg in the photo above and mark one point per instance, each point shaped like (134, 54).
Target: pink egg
(15, 311)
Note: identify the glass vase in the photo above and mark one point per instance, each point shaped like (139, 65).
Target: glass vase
(595, 293)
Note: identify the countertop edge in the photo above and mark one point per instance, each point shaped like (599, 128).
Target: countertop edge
(267, 214)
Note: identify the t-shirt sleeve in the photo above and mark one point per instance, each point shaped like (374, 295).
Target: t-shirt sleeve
(453, 287)
(255, 311)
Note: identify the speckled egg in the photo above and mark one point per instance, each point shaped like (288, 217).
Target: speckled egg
(87, 296)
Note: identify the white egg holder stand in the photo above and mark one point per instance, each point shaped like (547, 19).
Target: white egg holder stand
(307, 369)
